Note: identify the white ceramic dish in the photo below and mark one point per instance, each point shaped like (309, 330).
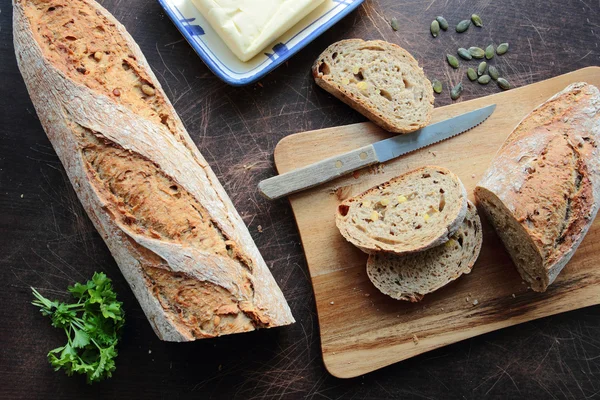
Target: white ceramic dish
(217, 56)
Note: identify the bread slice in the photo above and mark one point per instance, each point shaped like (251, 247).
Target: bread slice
(412, 276)
(413, 212)
(380, 80)
(542, 190)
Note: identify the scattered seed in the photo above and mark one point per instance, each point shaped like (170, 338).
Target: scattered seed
(475, 302)
(477, 20)
(489, 52)
(471, 74)
(493, 72)
(463, 26)
(148, 90)
(437, 86)
(503, 83)
(435, 28)
(484, 79)
(476, 52)
(98, 55)
(464, 54)
(456, 91)
(481, 68)
(502, 48)
(453, 61)
(394, 24)
(443, 23)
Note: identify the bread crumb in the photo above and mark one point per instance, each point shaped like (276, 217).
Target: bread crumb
(367, 294)
(260, 84)
(149, 351)
(331, 302)
(475, 302)
(473, 176)
(259, 229)
(514, 297)
(220, 367)
(415, 339)
(21, 195)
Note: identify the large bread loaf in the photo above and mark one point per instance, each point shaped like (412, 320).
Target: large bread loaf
(171, 227)
(542, 190)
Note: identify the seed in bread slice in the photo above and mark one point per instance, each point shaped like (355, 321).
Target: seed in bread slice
(380, 80)
(412, 276)
(413, 212)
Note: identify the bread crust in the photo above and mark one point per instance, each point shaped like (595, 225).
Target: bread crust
(187, 290)
(359, 102)
(544, 183)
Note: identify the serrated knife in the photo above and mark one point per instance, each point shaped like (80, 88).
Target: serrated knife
(382, 151)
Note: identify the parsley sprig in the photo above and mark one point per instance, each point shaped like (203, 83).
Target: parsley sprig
(92, 326)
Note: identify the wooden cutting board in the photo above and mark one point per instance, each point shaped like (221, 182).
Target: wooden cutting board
(363, 330)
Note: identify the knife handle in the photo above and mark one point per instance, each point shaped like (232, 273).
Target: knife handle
(317, 173)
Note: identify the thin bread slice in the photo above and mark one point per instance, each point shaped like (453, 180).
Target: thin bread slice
(380, 80)
(412, 276)
(413, 212)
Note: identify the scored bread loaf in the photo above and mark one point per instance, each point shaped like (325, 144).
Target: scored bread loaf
(172, 229)
(412, 212)
(542, 190)
(414, 275)
(381, 80)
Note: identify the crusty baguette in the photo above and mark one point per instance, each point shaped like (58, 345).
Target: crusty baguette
(171, 227)
(414, 275)
(412, 212)
(542, 190)
(380, 80)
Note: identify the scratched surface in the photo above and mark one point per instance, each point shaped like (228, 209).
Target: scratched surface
(47, 241)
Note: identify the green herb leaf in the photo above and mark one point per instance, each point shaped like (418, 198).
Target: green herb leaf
(92, 326)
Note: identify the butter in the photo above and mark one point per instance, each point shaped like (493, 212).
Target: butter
(248, 26)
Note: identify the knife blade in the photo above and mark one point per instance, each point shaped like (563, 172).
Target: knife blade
(382, 151)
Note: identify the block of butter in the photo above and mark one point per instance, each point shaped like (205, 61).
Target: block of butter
(248, 26)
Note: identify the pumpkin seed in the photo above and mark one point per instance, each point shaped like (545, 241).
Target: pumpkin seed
(476, 20)
(464, 53)
(472, 74)
(493, 72)
(476, 52)
(394, 24)
(463, 26)
(503, 83)
(502, 48)
(489, 52)
(435, 28)
(481, 68)
(453, 61)
(484, 79)
(443, 23)
(437, 86)
(456, 91)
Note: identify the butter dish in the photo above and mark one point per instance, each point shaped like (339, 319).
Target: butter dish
(226, 65)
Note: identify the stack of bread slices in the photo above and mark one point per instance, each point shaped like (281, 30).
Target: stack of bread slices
(419, 229)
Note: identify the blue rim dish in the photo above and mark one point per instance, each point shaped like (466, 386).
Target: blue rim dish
(280, 53)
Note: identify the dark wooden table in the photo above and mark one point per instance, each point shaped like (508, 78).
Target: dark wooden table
(47, 241)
